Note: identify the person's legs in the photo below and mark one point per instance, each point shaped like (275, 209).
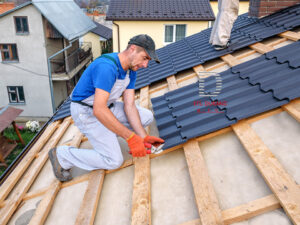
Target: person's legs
(106, 152)
(226, 17)
(145, 114)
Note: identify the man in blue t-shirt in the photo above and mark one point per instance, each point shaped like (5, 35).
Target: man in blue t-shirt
(101, 118)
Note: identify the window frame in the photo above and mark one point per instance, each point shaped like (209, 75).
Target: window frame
(16, 91)
(10, 53)
(22, 25)
(174, 32)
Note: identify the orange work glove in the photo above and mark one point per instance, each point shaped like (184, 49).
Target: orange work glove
(155, 141)
(136, 145)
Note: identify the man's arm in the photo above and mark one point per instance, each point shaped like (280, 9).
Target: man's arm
(106, 117)
(132, 113)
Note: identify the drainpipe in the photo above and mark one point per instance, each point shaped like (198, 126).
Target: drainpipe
(118, 36)
(50, 72)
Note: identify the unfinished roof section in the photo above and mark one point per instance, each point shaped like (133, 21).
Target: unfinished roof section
(65, 16)
(208, 180)
(272, 80)
(195, 49)
(102, 31)
(180, 10)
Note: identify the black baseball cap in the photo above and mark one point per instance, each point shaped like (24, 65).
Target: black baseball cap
(146, 42)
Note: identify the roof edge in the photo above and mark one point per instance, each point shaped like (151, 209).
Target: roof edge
(16, 8)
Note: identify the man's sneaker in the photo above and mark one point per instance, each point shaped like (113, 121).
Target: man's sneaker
(60, 173)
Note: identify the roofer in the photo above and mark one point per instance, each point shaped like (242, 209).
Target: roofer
(101, 118)
(220, 34)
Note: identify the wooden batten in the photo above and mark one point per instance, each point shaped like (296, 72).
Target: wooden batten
(279, 181)
(293, 108)
(141, 199)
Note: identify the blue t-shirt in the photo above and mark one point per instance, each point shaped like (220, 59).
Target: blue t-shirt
(102, 73)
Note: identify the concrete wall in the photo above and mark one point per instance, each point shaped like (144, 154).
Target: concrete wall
(59, 92)
(156, 29)
(31, 71)
(95, 40)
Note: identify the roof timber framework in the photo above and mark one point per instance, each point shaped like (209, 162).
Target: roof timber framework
(286, 193)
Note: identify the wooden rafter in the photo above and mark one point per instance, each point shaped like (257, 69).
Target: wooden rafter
(141, 199)
(46, 204)
(261, 48)
(206, 199)
(293, 108)
(279, 181)
(91, 197)
(294, 36)
(10, 182)
(31, 174)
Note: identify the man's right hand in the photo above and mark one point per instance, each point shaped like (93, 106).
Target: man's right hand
(136, 145)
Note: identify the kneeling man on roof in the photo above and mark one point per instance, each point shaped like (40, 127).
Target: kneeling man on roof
(101, 118)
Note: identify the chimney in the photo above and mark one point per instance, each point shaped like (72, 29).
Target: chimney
(5, 6)
(261, 8)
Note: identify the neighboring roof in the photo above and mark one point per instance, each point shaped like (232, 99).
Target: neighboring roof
(65, 16)
(102, 31)
(195, 49)
(248, 89)
(175, 10)
(7, 115)
(6, 6)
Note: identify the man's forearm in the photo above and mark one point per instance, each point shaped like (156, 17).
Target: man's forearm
(134, 120)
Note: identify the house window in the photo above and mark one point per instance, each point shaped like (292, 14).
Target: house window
(16, 94)
(9, 52)
(21, 24)
(174, 32)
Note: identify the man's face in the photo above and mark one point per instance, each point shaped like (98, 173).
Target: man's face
(139, 59)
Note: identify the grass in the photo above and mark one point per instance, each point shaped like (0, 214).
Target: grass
(10, 133)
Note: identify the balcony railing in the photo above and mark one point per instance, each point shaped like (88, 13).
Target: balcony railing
(72, 60)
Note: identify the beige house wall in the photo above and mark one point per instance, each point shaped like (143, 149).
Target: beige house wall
(95, 40)
(243, 7)
(156, 29)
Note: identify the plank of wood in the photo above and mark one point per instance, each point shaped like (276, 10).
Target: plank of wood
(172, 84)
(10, 182)
(198, 68)
(261, 48)
(45, 205)
(141, 199)
(245, 211)
(91, 197)
(293, 108)
(279, 181)
(31, 174)
(290, 35)
(206, 199)
(230, 60)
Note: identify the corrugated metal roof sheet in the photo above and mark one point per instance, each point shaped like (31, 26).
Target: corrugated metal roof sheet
(65, 16)
(250, 88)
(195, 49)
(102, 31)
(160, 10)
(63, 111)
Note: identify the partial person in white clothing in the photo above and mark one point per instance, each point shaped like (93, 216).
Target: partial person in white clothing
(220, 34)
(101, 118)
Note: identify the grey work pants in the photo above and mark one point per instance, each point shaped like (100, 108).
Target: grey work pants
(106, 152)
(228, 12)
